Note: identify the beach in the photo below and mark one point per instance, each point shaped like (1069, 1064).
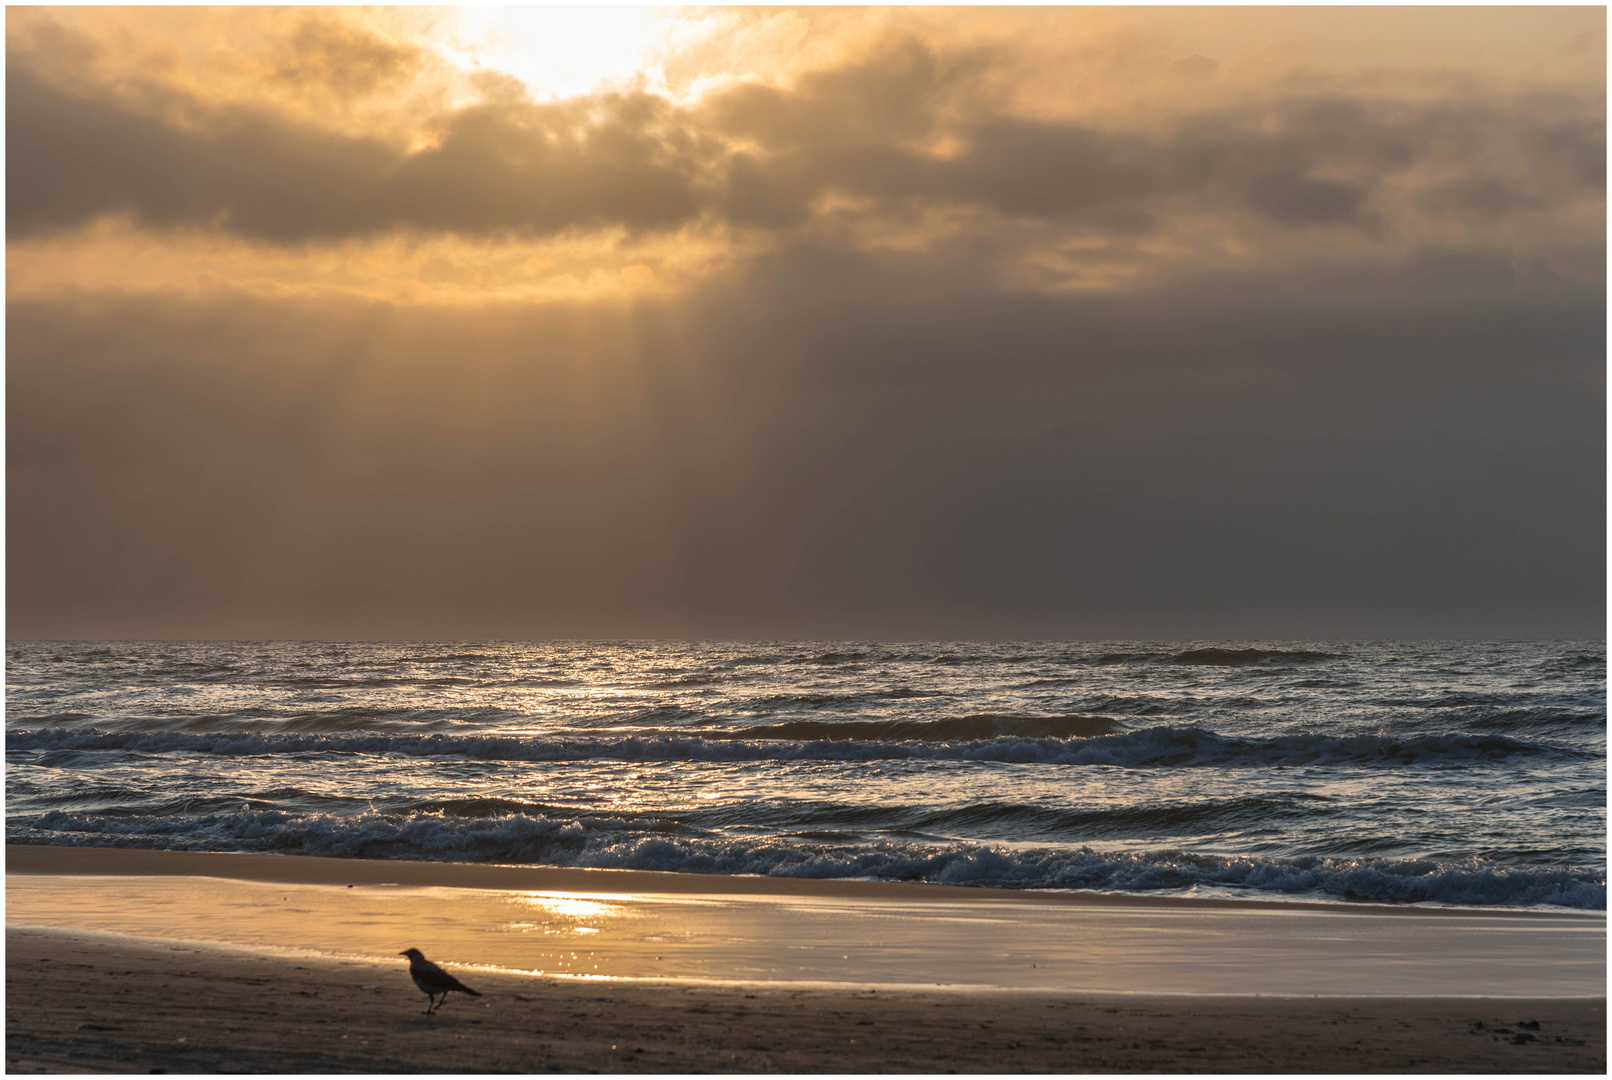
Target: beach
(138, 960)
(818, 539)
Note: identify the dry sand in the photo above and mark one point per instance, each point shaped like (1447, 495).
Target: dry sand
(82, 1003)
(81, 999)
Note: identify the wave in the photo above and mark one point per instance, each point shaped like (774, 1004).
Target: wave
(832, 657)
(774, 702)
(378, 720)
(1575, 662)
(1242, 657)
(1505, 699)
(961, 728)
(455, 658)
(364, 682)
(1217, 655)
(794, 654)
(1015, 821)
(1156, 747)
(1544, 720)
(616, 843)
(1134, 705)
(988, 821)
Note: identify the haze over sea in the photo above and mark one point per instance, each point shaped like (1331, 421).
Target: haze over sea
(1463, 773)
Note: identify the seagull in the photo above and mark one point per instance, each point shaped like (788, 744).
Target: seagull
(432, 980)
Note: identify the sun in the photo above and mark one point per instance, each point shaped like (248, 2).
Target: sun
(560, 51)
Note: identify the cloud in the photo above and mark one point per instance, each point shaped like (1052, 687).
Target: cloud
(73, 159)
(617, 160)
(514, 168)
(1483, 198)
(907, 126)
(327, 56)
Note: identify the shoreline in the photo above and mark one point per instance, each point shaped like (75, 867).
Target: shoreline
(638, 926)
(44, 859)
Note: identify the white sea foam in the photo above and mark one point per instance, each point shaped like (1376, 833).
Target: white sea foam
(614, 842)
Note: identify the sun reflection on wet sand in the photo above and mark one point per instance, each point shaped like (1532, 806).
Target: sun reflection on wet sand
(568, 905)
(961, 940)
(556, 911)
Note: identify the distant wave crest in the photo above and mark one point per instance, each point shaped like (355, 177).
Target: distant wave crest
(962, 728)
(1155, 747)
(1242, 657)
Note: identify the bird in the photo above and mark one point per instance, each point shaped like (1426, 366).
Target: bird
(432, 980)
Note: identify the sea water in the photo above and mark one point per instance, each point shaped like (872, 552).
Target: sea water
(1457, 773)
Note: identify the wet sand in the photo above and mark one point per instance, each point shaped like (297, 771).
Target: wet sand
(273, 964)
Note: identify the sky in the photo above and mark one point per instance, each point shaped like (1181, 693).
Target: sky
(1187, 323)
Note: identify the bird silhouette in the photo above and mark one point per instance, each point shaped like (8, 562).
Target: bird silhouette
(432, 980)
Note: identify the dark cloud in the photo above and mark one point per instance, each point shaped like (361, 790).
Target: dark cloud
(1480, 198)
(70, 159)
(892, 98)
(818, 445)
(1050, 170)
(325, 55)
(496, 169)
(1577, 147)
(755, 155)
(1435, 270)
(546, 168)
(1295, 199)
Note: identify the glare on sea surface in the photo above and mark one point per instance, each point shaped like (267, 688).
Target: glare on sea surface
(558, 51)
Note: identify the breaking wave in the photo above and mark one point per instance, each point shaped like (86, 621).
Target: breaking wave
(618, 843)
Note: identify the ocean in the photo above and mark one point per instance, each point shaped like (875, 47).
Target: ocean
(1450, 773)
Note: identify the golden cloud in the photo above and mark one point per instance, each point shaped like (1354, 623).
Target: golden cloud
(346, 150)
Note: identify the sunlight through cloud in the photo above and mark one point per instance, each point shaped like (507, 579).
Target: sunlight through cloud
(558, 51)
